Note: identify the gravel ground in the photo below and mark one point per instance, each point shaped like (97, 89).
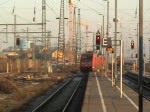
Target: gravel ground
(16, 91)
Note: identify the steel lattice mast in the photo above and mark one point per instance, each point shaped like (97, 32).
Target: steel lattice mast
(78, 35)
(74, 36)
(71, 22)
(44, 22)
(61, 35)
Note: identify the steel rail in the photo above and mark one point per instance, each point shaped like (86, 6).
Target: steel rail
(51, 96)
(145, 87)
(73, 94)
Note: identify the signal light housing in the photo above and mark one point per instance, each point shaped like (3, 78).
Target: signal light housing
(17, 41)
(98, 38)
(132, 45)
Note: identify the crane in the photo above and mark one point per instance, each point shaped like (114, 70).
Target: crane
(70, 44)
(72, 32)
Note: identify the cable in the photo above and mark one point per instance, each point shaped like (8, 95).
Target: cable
(89, 7)
(4, 2)
(52, 10)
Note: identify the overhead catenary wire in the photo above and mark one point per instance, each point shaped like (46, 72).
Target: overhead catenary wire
(52, 10)
(5, 2)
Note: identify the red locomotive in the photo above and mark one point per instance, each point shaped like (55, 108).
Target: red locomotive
(91, 62)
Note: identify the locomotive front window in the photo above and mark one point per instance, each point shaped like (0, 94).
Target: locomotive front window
(86, 58)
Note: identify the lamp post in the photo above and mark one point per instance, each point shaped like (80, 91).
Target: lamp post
(149, 49)
(102, 28)
(103, 24)
(103, 37)
(107, 33)
(141, 63)
(137, 43)
(115, 51)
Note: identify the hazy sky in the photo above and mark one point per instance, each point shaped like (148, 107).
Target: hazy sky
(90, 9)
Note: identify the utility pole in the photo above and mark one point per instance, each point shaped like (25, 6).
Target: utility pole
(87, 38)
(78, 35)
(107, 34)
(15, 33)
(115, 51)
(149, 49)
(93, 42)
(103, 26)
(74, 36)
(102, 30)
(137, 43)
(141, 59)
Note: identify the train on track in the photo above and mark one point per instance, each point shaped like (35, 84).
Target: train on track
(91, 62)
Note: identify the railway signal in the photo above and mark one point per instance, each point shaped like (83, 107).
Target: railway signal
(97, 47)
(17, 41)
(98, 40)
(132, 44)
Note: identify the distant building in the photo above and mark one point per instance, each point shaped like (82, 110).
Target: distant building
(2, 56)
(9, 49)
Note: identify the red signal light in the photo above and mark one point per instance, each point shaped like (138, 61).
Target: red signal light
(98, 38)
(132, 45)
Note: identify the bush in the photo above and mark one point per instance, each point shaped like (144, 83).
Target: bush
(7, 87)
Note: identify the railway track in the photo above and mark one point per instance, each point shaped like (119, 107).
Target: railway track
(132, 82)
(63, 98)
(59, 100)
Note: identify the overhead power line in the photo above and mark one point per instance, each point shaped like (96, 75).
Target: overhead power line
(52, 10)
(5, 2)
